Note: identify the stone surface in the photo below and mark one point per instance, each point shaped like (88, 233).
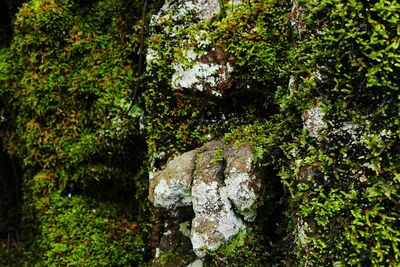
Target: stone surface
(201, 66)
(171, 187)
(215, 222)
(223, 193)
(210, 73)
(242, 184)
(196, 263)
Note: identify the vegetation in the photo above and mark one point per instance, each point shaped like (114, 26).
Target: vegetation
(66, 82)
(81, 136)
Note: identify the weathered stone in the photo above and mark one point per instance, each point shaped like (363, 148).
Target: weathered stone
(217, 189)
(242, 184)
(201, 67)
(214, 79)
(171, 187)
(209, 231)
(215, 221)
(210, 73)
(196, 263)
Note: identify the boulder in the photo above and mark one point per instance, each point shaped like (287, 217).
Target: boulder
(224, 192)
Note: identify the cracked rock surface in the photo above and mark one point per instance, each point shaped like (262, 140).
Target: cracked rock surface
(223, 193)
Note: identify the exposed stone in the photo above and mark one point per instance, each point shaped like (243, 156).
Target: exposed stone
(206, 9)
(202, 67)
(196, 263)
(211, 78)
(209, 232)
(217, 189)
(171, 187)
(215, 221)
(242, 184)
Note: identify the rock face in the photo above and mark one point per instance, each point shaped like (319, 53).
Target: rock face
(198, 66)
(171, 188)
(223, 193)
(242, 185)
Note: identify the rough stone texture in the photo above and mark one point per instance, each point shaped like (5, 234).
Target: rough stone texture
(242, 184)
(210, 73)
(211, 78)
(203, 67)
(173, 244)
(170, 188)
(196, 263)
(223, 192)
(215, 221)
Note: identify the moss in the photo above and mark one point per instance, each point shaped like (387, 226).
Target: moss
(65, 89)
(69, 118)
(244, 249)
(178, 121)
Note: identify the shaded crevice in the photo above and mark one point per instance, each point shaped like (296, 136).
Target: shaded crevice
(275, 222)
(10, 197)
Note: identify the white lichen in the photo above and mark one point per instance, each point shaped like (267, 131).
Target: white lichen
(199, 74)
(172, 194)
(194, 179)
(314, 121)
(240, 193)
(205, 197)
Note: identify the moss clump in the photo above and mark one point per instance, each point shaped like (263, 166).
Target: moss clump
(66, 83)
(78, 231)
(179, 120)
(244, 249)
(345, 180)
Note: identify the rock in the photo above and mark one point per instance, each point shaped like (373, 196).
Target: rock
(215, 221)
(206, 9)
(171, 187)
(196, 263)
(201, 66)
(223, 193)
(174, 248)
(211, 73)
(211, 78)
(313, 121)
(242, 184)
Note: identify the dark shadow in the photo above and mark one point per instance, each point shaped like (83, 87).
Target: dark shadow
(8, 9)
(10, 198)
(276, 228)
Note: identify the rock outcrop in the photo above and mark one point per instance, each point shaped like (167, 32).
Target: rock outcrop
(198, 65)
(224, 192)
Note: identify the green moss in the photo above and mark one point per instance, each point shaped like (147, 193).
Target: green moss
(76, 231)
(65, 89)
(244, 249)
(67, 80)
(177, 120)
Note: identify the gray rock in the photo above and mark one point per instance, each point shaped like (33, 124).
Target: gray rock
(215, 222)
(202, 66)
(196, 263)
(242, 184)
(171, 187)
(220, 191)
